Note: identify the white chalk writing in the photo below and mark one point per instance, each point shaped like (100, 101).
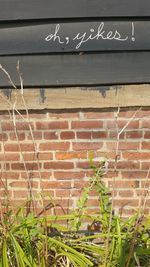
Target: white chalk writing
(101, 32)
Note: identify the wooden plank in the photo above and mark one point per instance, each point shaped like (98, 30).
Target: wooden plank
(76, 97)
(74, 37)
(43, 9)
(86, 69)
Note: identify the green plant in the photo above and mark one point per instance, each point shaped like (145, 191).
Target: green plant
(40, 241)
(123, 243)
(25, 242)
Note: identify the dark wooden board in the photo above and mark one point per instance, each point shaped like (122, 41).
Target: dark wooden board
(74, 37)
(86, 69)
(43, 9)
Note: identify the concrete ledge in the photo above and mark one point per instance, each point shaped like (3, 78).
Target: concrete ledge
(76, 97)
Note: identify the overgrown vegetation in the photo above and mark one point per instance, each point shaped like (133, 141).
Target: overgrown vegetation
(110, 241)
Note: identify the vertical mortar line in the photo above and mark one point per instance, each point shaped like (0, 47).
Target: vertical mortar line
(81, 115)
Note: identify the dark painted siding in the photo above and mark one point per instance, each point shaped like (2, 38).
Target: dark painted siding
(75, 42)
(45, 9)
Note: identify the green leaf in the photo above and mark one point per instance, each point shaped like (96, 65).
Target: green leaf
(19, 253)
(4, 255)
(143, 251)
(71, 250)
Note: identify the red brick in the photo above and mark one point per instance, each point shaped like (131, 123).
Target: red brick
(3, 197)
(123, 145)
(134, 174)
(21, 194)
(54, 146)
(22, 126)
(126, 202)
(144, 113)
(86, 164)
(11, 147)
(129, 113)
(145, 166)
(64, 115)
(134, 134)
(108, 155)
(59, 212)
(23, 184)
(80, 184)
(29, 156)
(7, 166)
(146, 145)
(87, 124)
(87, 146)
(62, 175)
(27, 147)
(3, 137)
(145, 184)
(45, 156)
(48, 193)
(75, 193)
(50, 135)
(53, 125)
(67, 135)
(127, 211)
(136, 155)
(9, 157)
(56, 185)
(2, 185)
(114, 135)
(84, 135)
(147, 203)
(63, 203)
(92, 135)
(121, 124)
(63, 193)
(124, 165)
(9, 175)
(15, 147)
(132, 166)
(124, 184)
(38, 116)
(93, 193)
(127, 193)
(5, 115)
(45, 175)
(37, 174)
(142, 193)
(58, 165)
(20, 136)
(147, 135)
(7, 126)
(38, 156)
(93, 210)
(100, 134)
(16, 204)
(93, 202)
(70, 155)
(146, 124)
(98, 115)
(20, 166)
(35, 136)
(112, 174)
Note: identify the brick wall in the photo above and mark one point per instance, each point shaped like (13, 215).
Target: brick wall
(52, 155)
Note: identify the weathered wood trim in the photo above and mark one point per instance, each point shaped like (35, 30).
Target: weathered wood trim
(43, 9)
(79, 97)
(77, 70)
